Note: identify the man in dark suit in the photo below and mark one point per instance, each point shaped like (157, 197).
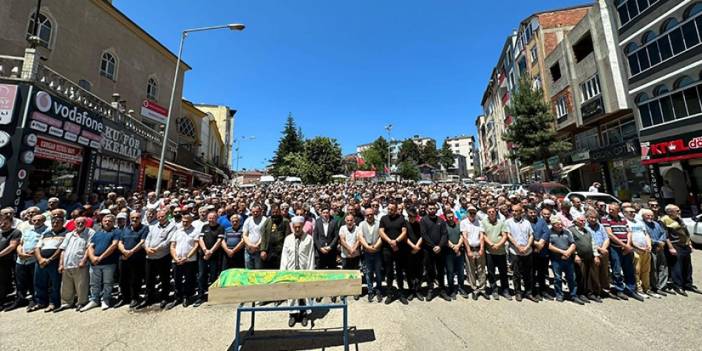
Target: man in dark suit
(326, 240)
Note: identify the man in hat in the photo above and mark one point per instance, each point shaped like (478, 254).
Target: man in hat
(298, 254)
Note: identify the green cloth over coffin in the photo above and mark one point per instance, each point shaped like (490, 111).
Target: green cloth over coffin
(248, 277)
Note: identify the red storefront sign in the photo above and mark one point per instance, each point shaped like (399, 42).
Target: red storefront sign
(154, 111)
(52, 149)
(363, 174)
(683, 147)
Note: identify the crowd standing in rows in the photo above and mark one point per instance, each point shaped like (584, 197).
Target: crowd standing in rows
(411, 242)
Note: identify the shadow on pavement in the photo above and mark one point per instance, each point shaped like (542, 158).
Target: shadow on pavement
(285, 339)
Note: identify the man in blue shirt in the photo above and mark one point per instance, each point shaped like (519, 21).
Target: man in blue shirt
(540, 256)
(659, 265)
(562, 248)
(103, 259)
(600, 279)
(24, 269)
(132, 260)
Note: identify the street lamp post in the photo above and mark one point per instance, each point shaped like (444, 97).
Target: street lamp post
(388, 128)
(238, 146)
(234, 26)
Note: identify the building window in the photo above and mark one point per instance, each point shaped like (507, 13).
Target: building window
(85, 84)
(555, 71)
(618, 131)
(675, 38)
(152, 89)
(590, 88)
(587, 140)
(534, 54)
(561, 106)
(43, 30)
(630, 9)
(666, 106)
(108, 66)
(583, 47)
(186, 127)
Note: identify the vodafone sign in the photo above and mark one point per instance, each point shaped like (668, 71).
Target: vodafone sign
(154, 111)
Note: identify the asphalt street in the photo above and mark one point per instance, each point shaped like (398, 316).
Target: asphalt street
(671, 323)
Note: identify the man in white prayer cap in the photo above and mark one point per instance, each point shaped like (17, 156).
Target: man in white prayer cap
(298, 254)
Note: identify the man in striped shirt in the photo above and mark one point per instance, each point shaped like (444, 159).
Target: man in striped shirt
(621, 255)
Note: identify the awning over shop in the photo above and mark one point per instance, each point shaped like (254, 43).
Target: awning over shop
(570, 168)
(203, 177)
(526, 169)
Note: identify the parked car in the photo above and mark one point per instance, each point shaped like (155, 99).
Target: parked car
(551, 188)
(694, 226)
(424, 182)
(585, 195)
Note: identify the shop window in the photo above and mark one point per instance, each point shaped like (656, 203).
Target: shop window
(583, 47)
(152, 89)
(108, 66)
(44, 29)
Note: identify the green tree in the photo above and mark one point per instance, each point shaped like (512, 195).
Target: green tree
(429, 155)
(532, 132)
(382, 147)
(408, 170)
(323, 160)
(446, 156)
(373, 158)
(409, 151)
(294, 165)
(290, 142)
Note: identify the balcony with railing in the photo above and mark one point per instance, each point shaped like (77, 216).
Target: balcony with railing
(668, 45)
(680, 104)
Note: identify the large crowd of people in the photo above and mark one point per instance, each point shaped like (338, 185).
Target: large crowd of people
(411, 242)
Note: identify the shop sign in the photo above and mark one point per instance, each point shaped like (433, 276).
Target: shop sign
(539, 165)
(120, 142)
(8, 96)
(580, 156)
(620, 150)
(58, 151)
(553, 162)
(686, 146)
(61, 119)
(154, 111)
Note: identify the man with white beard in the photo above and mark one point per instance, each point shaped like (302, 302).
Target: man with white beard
(298, 254)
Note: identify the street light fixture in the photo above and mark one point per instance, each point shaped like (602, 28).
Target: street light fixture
(238, 145)
(232, 26)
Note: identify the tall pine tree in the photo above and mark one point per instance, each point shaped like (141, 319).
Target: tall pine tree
(290, 142)
(532, 132)
(429, 155)
(446, 156)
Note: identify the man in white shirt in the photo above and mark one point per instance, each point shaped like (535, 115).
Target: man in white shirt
(577, 208)
(521, 237)
(253, 229)
(372, 259)
(184, 244)
(473, 239)
(298, 254)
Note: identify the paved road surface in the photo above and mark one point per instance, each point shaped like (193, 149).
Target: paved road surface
(672, 323)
